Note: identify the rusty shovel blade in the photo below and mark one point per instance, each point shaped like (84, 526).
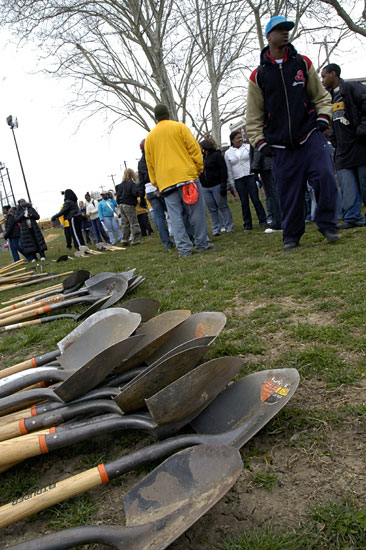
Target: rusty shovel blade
(194, 391)
(155, 378)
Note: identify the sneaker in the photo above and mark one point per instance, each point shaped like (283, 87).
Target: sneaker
(331, 235)
(33, 261)
(348, 225)
(208, 247)
(271, 230)
(216, 234)
(43, 258)
(290, 245)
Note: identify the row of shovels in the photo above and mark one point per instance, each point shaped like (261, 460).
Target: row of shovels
(101, 291)
(115, 372)
(84, 251)
(16, 275)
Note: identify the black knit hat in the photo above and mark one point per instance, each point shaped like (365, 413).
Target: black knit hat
(161, 112)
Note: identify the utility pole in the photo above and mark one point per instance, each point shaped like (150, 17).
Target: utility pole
(3, 167)
(112, 176)
(325, 44)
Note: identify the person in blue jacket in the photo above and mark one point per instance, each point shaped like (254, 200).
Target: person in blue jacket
(107, 211)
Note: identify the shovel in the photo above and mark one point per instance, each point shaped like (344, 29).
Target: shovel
(233, 418)
(96, 290)
(144, 387)
(155, 332)
(206, 323)
(118, 317)
(103, 334)
(158, 376)
(114, 287)
(205, 382)
(71, 283)
(163, 505)
(35, 281)
(98, 304)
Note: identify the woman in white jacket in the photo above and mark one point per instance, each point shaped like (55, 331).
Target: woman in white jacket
(237, 160)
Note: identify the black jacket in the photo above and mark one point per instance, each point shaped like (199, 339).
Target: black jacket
(128, 191)
(142, 170)
(12, 230)
(289, 113)
(214, 170)
(354, 94)
(30, 233)
(69, 210)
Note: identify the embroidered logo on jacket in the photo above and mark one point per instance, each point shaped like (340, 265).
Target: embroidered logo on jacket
(299, 78)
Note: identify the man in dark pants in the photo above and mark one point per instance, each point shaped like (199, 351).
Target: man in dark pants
(349, 139)
(287, 112)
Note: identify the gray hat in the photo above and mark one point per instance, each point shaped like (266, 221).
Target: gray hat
(161, 112)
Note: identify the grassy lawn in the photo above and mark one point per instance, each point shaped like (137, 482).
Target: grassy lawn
(303, 484)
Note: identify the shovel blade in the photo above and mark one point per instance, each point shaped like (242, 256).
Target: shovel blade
(146, 307)
(183, 488)
(191, 393)
(155, 332)
(99, 336)
(248, 404)
(91, 373)
(206, 323)
(156, 378)
(118, 314)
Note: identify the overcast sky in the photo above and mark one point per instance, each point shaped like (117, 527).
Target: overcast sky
(56, 155)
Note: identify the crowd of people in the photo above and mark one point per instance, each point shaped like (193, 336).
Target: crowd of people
(304, 143)
(23, 232)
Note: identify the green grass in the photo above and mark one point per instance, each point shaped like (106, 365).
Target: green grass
(328, 526)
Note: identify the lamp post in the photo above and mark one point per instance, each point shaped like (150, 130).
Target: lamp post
(13, 123)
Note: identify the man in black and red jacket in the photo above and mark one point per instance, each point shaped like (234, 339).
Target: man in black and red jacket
(287, 112)
(349, 139)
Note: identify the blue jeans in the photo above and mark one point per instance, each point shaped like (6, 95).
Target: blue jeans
(220, 213)
(158, 206)
(15, 246)
(112, 227)
(195, 216)
(271, 195)
(352, 182)
(99, 231)
(247, 187)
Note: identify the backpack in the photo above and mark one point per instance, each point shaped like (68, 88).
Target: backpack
(300, 61)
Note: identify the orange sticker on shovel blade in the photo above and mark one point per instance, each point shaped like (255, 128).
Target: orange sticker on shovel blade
(272, 391)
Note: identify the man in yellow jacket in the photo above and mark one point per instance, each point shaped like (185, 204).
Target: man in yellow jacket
(174, 160)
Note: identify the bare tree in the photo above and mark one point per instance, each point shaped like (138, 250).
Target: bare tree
(356, 25)
(125, 56)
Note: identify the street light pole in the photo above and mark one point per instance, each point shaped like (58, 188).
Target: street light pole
(13, 123)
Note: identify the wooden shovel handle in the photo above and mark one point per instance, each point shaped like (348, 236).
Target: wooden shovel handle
(23, 447)
(12, 417)
(51, 494)
(30, 295)
(15, 326)
(11, 430)
(56, 298)
(36, 281)
(30, 363)
(25, 315)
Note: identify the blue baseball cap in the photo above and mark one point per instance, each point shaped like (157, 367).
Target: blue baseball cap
(279, 21)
